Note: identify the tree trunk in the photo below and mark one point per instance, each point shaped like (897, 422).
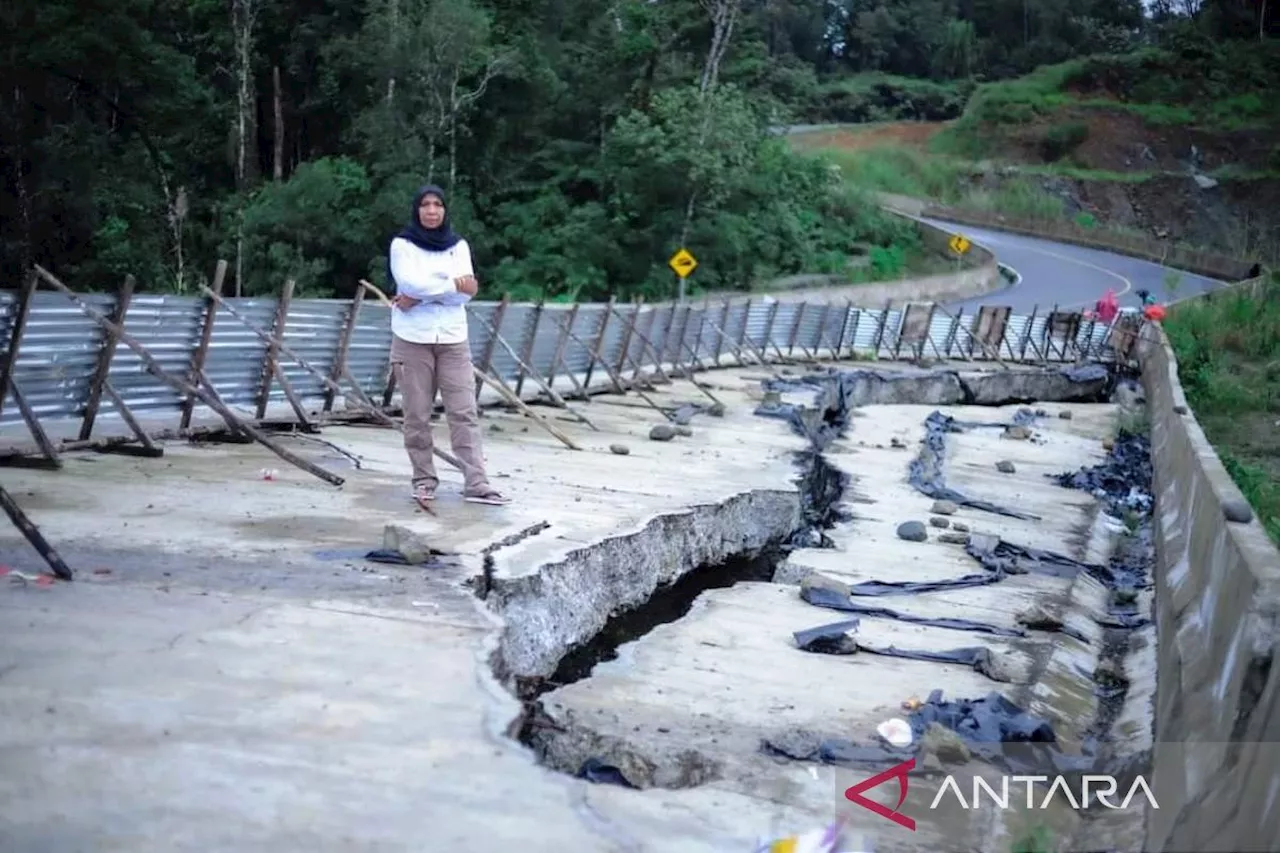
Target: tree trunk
(277, 164)
(243, 16)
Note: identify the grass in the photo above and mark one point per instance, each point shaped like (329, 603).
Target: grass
(1228, 349)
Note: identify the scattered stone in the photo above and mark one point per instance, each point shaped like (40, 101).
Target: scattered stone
(716, 410)
(684, 430)
(954, 538)
(406, 543)
(620, 449)
(1180, 409)
(496, 428)
(939, 745)
(662, 432)
(913, 531)
(944, 508)
(940, 523)
(897, 443)
(1038, 618)
(1004, 466)
(772, 399)
(1108, 444)
(1019, 433)
(1237, 511)
(1124, 597)
(813, 580)
(1040, 413)
(1066, 414)
(960, 527)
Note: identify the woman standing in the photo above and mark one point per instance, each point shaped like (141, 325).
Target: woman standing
(431, 268)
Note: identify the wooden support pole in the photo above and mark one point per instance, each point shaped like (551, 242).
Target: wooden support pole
(22, 310)
(184, 387)
(624, 352)
(206, 336)
(344, 346)
(269, 370)
(558, 359)
(746, 319)
(688, 372)
(526, 354)
(47, 450)
(497, 385)
(844, 327)
(149, 448)
(822, 328)
(33, 535)
(795, 328)
(105, 354)
(617, 380)
(880, 329)
(599, 347)
(495, 332)
(724, 322)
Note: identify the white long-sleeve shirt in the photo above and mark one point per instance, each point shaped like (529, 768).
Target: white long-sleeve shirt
(441, 316)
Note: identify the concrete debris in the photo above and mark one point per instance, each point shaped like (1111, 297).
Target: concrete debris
(913, 531)
(662, 432)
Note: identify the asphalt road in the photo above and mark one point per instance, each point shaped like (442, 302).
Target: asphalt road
(1070, 276)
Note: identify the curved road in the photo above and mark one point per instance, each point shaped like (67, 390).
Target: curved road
(1072, 277)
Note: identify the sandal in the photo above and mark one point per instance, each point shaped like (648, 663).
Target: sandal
(424, 494)
(489, 496)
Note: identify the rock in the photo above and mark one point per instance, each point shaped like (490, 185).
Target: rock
(716, 410)
(954, 538)
(959, 527)
(1066, 414)
(496, 428)
(1180, 409)
(944, 508)
(813, 580)
(1004, 466)
(772, 399)
(1237, 511)
(1108, 444)
(684, 431)
(1038, 618)
(1019, 433)
(1124, 597)
(940, 523)
(939, 745)
(620, 449)
(1040, 413)
(662, 432)
(406, 543)
(913, 531)
(897, 443)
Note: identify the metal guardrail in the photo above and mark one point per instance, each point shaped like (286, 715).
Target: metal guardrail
(60, 346)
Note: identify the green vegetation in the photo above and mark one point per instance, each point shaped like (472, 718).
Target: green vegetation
(874, 97)
(1228, 350)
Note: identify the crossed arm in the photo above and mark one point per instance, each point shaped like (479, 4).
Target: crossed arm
(415, 282)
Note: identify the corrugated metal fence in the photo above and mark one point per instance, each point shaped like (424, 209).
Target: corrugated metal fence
(59, 350)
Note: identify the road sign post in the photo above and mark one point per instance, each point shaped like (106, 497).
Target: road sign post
(682, 263)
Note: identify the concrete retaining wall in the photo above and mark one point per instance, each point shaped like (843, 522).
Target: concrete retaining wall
(1218, 614)
(1199, 261)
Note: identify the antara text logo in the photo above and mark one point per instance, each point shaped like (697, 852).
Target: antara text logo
(1056, 789)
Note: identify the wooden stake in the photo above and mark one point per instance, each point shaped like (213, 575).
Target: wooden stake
(624, 352)
(202, 349)
(724, 321)
(526, 355)
(617, 380)
(604, 325)
(270, 367)
(558, 359)
(34, 536)
(551, 392)
(148, 448)
(495, 328)
(184, 387)
(105, 354)
(22, 310)
(344, 346)
(51, 460)
(688, 371)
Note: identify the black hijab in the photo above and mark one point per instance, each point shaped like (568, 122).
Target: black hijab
(432, 239)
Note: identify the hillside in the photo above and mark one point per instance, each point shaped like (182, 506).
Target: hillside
(1182, 143)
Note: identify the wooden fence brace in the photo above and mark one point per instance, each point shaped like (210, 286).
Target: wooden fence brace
(658, 375)
(105, 354)
(22, 311)
(505, 393)
(526, 355)
(975, 339)
(724, 322)
(795, 328)
(183, 387)
(823, 318)
(1048, 332)
(551, 392)
(1026, 335)
(850, 312)
(636, 363)
(390, 391)
(768, 330)
(689, 372)
(880, 329)
(723, 336)
(594, 354)
(624, 351)
(950, 342)
(206, 337)
(33, 535)
(647, 346)
(558, 358)
(344, 346)
(49, 455)
(599, 347)
(495, 328)
(148, 449)
(625, 356)
(750, 344)
(682, 339)
(1043, 355)
(268, 371)
(746, 318)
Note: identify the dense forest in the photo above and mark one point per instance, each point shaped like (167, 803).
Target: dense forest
(580, 142)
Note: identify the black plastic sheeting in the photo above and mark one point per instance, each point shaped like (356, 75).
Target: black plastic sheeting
(986, 726)
(835, 639)
(821, 596)
(1122, 481)
(924, 472)
(873, 589)
(598, 772)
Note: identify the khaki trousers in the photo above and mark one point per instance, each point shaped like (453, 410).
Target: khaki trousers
(421, 371)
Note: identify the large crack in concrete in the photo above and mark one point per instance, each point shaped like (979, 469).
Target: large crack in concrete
(571, 614)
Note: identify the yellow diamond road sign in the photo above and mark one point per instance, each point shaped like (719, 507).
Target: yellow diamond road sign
(683, 263)
(959, 244)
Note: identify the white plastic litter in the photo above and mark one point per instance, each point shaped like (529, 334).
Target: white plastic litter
(897, 732)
